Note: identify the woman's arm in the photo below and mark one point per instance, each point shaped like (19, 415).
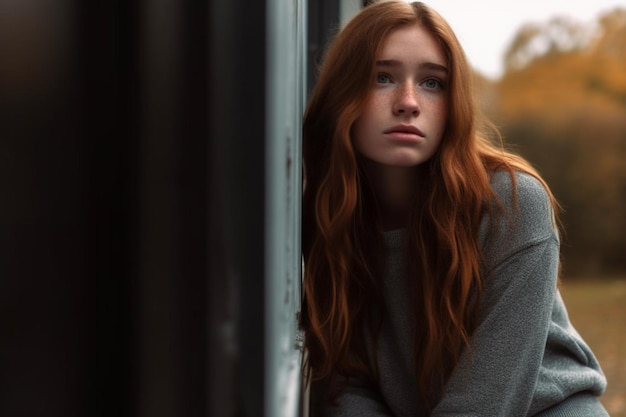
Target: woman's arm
(355, 400)
(498, 375)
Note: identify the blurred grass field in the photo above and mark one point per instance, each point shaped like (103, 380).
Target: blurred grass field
(597, 308)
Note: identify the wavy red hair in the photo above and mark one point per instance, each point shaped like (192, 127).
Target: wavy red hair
(341, 230)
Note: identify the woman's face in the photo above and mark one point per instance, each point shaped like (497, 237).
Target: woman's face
(404, 117)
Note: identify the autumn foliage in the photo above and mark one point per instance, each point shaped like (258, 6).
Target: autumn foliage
(562, 104)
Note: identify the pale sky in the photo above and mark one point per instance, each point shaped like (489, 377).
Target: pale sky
(486, 27)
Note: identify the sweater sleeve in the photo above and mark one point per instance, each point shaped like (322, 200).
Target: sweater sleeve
(497, 376)
(356, 399)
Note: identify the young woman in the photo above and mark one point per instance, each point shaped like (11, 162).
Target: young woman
(431, 254)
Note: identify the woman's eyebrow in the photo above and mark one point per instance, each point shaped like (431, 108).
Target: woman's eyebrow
(391, 63)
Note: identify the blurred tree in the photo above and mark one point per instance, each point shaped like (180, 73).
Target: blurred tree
(534, 40)
(562, 104)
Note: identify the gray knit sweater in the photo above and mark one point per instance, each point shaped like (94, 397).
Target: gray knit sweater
(526, 358)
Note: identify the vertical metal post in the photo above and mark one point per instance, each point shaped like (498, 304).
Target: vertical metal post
(286, 34)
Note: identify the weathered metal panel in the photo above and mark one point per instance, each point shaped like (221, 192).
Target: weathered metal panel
(286, 37)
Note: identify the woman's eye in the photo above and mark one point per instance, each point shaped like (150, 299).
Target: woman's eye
(383, 78)
(432, 84)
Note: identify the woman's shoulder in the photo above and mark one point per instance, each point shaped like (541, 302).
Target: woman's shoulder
(521, 216)
(519, 187)
(522, 197)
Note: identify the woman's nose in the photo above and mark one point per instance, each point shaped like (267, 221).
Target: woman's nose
(406, 101)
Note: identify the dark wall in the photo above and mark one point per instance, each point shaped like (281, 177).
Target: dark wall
(132, 171)
(56, 215)
(103, 221)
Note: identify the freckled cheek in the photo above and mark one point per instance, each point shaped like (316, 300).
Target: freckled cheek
(437, 110)
(434, 104)
(371, 114)
(375, 103)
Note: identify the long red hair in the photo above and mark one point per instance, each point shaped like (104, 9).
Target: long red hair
(341, 229)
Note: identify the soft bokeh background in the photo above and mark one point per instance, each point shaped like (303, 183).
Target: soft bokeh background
(487, 27)
(565, 110)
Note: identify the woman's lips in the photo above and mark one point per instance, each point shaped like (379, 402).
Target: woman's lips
(408, 133)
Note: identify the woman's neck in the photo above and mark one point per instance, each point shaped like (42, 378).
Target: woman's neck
(395, 188)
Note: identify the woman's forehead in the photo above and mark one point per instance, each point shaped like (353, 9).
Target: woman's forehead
(411, 44)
